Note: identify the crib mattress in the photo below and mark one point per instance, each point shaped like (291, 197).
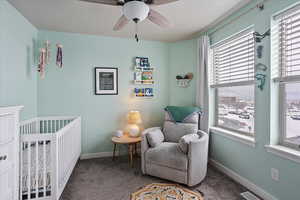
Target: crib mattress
(37, 174)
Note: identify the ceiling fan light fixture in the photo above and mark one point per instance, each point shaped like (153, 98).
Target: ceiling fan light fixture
(136, 10)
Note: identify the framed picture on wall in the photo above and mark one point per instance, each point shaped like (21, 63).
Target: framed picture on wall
(106, 81)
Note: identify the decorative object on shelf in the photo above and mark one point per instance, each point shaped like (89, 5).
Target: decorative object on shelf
(59, 56)
(142, 62)
(143, 92)
(184, 81)
(143, 77)
(118, 133)
(262, 80)
(106, 81)
(134, 119)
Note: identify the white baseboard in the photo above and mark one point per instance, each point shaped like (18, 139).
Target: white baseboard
(96, 155)
(243, 181)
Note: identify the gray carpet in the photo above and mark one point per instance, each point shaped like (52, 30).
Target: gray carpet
(104, 179)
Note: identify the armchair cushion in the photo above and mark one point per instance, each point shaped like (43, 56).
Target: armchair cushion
(186, 140)
(167, 154)
(174, 131)
(192, 118)
(155, 137)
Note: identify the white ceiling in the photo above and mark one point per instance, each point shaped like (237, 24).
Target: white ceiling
(187, 16)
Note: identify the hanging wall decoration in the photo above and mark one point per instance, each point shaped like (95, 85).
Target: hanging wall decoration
(59, 56)
(259, 37)
(45, 57)
(42, 62)
(47, 52)
(261, 78)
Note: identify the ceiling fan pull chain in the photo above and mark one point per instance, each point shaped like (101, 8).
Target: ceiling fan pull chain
(136, 32)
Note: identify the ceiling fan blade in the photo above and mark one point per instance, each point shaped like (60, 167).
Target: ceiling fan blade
(158, 19)
(107, 2)
(123, 21)
(159, 2)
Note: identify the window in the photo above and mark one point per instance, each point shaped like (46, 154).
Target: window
(286, 56)
(233, 81)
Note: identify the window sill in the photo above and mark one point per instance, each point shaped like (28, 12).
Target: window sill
(250, 141)
(284, 152)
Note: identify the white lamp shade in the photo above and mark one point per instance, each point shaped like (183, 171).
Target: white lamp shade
(136, 10)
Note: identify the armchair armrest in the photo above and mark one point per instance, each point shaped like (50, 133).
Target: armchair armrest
(198, 158)
(145, 146)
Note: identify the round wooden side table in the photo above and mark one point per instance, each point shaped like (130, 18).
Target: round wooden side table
(127, 140)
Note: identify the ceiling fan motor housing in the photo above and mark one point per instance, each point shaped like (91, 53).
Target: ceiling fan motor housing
(136, 10)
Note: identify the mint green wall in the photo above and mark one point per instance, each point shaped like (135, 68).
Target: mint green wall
(17, 70)
(255, 163)
(70, 91)
(182, 60)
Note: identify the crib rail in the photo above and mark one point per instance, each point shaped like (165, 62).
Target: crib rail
(50, 149)
(29, 126)
(53, 124)
(69, 148)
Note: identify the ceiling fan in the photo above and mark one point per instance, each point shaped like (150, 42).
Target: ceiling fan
(137, 11)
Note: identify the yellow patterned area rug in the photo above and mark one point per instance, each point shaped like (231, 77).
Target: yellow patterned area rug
(160, 191)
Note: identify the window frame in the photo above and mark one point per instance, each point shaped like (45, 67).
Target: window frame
(283, 113)
(215, 87)
(216, 117)
(282, 81)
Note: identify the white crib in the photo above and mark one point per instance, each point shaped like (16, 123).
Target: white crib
(50, 148)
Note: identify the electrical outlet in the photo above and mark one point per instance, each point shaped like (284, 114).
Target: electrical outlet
(275, 174)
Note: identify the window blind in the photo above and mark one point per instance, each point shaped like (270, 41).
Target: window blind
(287, 32)
(233, 59)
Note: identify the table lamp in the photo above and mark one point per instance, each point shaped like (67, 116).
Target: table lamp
(134, 118)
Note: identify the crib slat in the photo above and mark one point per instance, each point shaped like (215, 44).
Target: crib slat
(44, 164)
(46, 126)
(21, 170)
(60, 163)
(29, 171)
(36, 169)
(51, 126)
(57, 125)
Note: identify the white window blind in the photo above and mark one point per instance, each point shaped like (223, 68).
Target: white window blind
(233, 60)
(286, 41)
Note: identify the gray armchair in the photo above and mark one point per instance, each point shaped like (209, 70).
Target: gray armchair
(167, 160)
